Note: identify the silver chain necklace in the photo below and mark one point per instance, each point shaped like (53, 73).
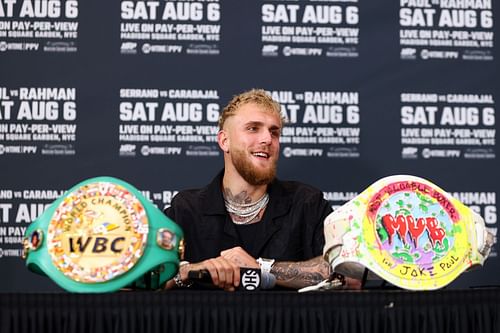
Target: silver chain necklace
(246, 212)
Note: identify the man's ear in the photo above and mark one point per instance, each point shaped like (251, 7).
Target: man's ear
(223, 140)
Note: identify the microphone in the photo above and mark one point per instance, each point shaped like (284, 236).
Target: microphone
(200, 275)
(250, 278)
(267, 281)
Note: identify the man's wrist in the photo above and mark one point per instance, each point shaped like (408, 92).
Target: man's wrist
(181, 280)
(268, 278)
(265, 264)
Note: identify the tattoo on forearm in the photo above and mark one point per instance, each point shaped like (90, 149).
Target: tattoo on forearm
(301, 274)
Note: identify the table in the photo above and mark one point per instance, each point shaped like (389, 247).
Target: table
(396, 311)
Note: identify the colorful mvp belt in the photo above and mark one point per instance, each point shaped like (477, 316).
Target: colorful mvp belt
(103, 235)
(408, 232)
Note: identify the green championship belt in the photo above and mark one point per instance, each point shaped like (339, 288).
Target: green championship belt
(103, 235)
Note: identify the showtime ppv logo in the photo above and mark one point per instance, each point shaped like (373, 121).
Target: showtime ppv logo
(15, 46)
(440, 153)
(433, 54)
(303, 152)
(151, 48)
(17, 149)
(301, 51)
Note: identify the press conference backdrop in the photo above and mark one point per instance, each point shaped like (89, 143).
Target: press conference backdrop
(133, 89)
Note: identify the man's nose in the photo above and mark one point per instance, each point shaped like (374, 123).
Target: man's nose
(266, 137)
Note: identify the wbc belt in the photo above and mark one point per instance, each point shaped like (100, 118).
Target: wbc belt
(103, 235)
(407, 231)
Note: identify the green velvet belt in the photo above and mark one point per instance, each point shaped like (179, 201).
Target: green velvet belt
(103, 235)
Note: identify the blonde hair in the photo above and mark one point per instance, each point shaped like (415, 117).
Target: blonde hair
(255, 96)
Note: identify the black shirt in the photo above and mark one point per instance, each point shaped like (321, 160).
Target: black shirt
(292, 228)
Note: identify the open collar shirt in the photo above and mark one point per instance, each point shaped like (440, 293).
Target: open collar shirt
(292, 227)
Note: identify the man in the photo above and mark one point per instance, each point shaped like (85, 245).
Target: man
(246, 213)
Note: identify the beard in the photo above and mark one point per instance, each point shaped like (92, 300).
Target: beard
(249, 172)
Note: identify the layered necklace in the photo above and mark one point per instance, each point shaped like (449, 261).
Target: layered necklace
(245, 212)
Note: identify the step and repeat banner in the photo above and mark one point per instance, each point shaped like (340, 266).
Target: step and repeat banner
(133, 89)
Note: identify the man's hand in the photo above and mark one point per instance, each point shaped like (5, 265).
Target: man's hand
(224, 270)
(240, 257)
(224, 274)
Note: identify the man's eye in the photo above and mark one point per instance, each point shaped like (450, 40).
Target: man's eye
(252, 129)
